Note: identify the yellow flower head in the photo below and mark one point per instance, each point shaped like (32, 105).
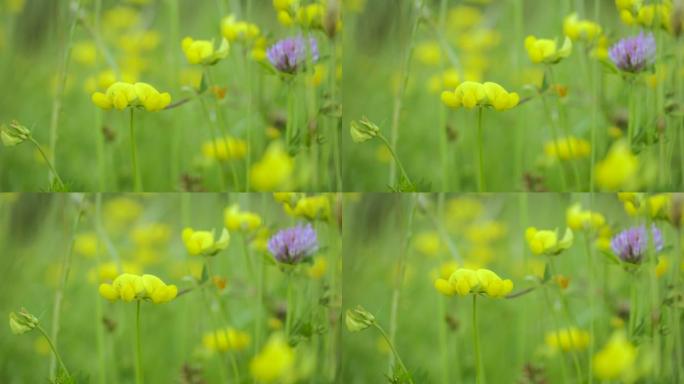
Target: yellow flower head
(129, 287)
(225, 149)
(616, 360)
(273, 171)
(227, 339)
(203, 52)
(429, 53)
(121, 95)
(87, 244)
(579, 219)
(203, 242)
(577, 29)
(151, 235)
(318, 268)
(428, 243)
(449, 79)
(471, 94)
(546, 51)
(465, 281)
(237, 220)
(315, 207)
(275, 362)
(545, 242)
(234, 30)
(619, 169)
(567, 148)
(568, 339)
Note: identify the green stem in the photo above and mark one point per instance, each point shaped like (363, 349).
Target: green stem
(443, 342)
(134, 156)
(399, 96)
(631, 122)
(100, 145)
(335, 121)
(401, 270)
(394, 351)
(556, 326)
(214, 140)
(54, 350)
(480, 148)
(566, 131)
(396, 158)
(47, 160)
(222, 128)
(554, 136)
(479, 379)
(592, 305)
(138, 357)
(289, 314)
(676, 319)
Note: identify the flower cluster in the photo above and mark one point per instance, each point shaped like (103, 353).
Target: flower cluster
(224, 149)
(546, 50)
(276, 362)
(203, 51)
(545, 242)
(293, 245)
(568, 339)
(635, 12)
(616, 360)
(291, 54)
(567, 148)
(226, 339)
(631, 244)
(121, 95)
(237, 30)
(580, 219)
(273, 171)
(307, 16)
(618, 170)
(129, 287)
(237, 220)
(465, 281)
(204, 243)
(577, 29)
(311, 208)
(471, 94)
(634, 54)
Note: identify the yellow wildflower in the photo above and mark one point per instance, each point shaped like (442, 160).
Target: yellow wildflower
(237, 220)
(578, 219)
(568, 339)
(203, 52)
(616, 360)
(203, 242)
(618, 171)
(225, 149)
(465, 281)
(567, 148)
(234, 30)
(471, 94)
(129, 287)
(87, 244)
(121, 95)
(318, 268)
(577, 29)
(227, 339)
(546, 242)
(662, 266)
(275, 362)
(84, 52)
(273, 171)
(429, 53)
(315, 207)
(428, 243)
(546, 51)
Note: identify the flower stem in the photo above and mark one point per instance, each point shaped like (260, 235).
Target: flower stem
(396, 158)
(134, 156)
(138, 364)
(480, 148)
(394, 351)
(479, 379)
(47, 160)
(289, 314)
(54, 350)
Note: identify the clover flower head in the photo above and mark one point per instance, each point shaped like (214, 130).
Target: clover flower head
(289, 55)
(631, 244)
(293, 245)
(634, 54)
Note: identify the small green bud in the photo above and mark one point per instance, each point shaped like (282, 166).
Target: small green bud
(22, 322)
(363, 130)
(358, 319)
(13, 134)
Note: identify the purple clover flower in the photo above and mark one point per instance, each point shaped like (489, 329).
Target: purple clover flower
(289, 55)
(634, 54)
(292, 245)
(631, 244)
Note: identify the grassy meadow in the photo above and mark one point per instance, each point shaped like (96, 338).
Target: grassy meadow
(220, 116)
(235, 313)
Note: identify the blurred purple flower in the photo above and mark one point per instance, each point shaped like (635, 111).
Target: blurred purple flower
(289, 55)
(634, 54)
(630, 245)
(292, 245)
